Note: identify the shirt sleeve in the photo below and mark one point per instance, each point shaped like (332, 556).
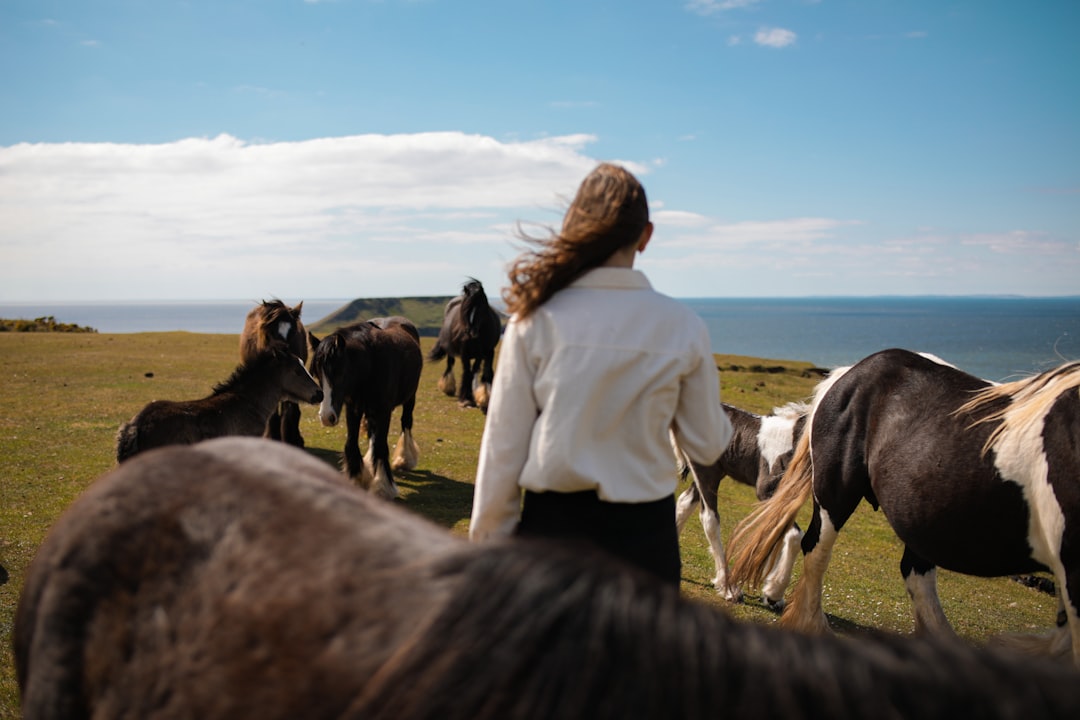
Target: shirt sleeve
(702, 428)
(504, 447)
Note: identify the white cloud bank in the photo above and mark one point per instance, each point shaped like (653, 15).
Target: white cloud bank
(224, 218)
(382, 215)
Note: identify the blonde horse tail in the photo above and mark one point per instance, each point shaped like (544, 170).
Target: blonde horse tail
(758, 537)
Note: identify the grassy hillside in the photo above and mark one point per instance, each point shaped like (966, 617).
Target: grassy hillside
(425, 312)
(65, 395)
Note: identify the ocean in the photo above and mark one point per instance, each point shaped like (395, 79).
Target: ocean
(997, 338)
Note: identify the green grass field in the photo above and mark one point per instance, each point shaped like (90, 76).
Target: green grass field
(65, 395)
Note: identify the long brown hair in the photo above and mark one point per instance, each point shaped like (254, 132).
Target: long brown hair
(609, 212)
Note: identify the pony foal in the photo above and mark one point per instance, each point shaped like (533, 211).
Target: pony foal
(239, 406)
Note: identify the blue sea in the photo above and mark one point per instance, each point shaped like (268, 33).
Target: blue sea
(998, 338)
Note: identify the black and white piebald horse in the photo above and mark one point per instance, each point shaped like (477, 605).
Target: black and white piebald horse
(976, 477)
(757, 454)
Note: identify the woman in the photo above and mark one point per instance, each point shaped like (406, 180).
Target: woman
(595, 371)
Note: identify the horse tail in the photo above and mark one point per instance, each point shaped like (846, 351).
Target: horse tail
(757, 538)
(127, 442)
(438, 352)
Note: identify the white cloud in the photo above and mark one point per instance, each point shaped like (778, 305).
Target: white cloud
(708, 7)
(220, 217)
(774, 37)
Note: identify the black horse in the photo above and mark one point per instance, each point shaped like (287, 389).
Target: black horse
(974, 477)
(240, 579)
(470, 330)
(268, 322)
(371, 368)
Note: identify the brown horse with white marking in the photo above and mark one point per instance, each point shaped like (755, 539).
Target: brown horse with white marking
(269, 322)
(370, 368)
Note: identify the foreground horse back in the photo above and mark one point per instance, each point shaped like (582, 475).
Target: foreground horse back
(269, 322)
(240, 578)
(974, 477)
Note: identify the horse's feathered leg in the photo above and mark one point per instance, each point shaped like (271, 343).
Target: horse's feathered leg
(804, 612)
(406, 452)
(920, 579)
(354, 462)
(447, 384)
(382, 484)
(468, 373)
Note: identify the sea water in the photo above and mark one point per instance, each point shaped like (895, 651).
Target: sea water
(998, 338)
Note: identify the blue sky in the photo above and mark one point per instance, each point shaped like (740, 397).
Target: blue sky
(362, 148)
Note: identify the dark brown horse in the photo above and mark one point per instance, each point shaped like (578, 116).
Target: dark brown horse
(238, 406)
(274, 321)
(470, 331)
(240, 578)
(974, 477)
(369, 368)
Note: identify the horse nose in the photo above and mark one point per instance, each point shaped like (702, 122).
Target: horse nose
(328, 418)
(317, 397)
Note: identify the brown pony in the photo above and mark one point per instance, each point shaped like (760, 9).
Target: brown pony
(238, 406)
(274, 321)
(240, 578)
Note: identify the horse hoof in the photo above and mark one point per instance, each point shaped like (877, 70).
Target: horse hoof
(777, 606)
(732, 595)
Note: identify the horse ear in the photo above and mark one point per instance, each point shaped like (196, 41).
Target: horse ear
(313, 340)
(296, 310)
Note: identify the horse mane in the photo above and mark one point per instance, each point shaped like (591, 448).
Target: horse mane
(533, 629)
(1029, 399)
(255, 367)
(474, 306)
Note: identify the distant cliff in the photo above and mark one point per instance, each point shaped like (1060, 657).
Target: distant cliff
(425, 312)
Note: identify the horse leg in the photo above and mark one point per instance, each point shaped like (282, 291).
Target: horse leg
(707, 481)
(446, 383)
(273, 426)
(354, 462)
(804, 612)
(379, 451)
(684, 506)
(779, 577)
(290, 424)
(406, 452)
(465, 391)
(482, 391)
(920, 579)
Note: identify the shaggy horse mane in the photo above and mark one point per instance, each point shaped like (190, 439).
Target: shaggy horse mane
(263, 360)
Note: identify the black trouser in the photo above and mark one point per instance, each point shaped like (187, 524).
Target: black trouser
(643, 534)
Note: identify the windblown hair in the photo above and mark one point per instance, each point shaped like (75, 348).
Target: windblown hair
(609, 212)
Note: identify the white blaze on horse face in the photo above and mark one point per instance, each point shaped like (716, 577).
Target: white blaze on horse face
(283, 329)
(327, 415)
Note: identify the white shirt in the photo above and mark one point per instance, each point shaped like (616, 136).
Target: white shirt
(586, 392)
